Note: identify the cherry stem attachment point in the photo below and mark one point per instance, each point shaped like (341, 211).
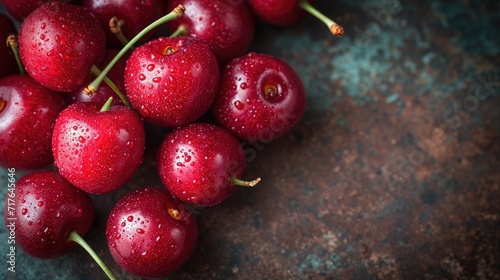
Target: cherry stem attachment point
(180, 31)
(75, 237)
(334, 27)
(238, 182)
(14, 45)
(112, 85)
(175, 13)
(115, 25)
(107, 105)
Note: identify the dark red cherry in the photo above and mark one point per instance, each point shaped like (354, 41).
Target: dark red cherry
(261, 98)
(9, 66)
(28, 112)
(227, 26)
(104, 92)
(136, 15)
(47, 209)
(150, 234)
(172, 81)
(98, 151)
(200, 164)
(21, 9)
(59, 43)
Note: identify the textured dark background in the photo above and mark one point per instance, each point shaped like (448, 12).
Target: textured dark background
(393, 173)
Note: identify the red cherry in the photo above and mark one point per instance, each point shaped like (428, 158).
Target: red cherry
(136, 15)
(172, 81)
(200, 163)
(47, 209)
(226, 26)
(150, 234)
(28, 112)
(261, 98)
(104, 92)
(98, 151)
(9, 66)
(59, 43)
(21, 9)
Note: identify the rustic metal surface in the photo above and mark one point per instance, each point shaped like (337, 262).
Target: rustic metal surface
(392, 174)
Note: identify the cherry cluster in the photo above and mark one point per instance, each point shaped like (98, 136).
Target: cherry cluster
(54, 110)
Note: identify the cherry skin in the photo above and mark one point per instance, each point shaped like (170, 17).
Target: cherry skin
(47, 209)
(59, 43)
(98, 151)
(278, 12)
(227, 26)
(261, 98)
(28, 112)
(21, 9)
(135, 14)
(172, 81)
(197, 162)
(104, 92)
(151, 234)
(9, 66)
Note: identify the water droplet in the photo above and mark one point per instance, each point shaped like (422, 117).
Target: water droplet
(24, 211)
(59, 215)
(81, 139)
(43, 26)
(42, 37)
(123, 224)
(180, 164)
(244, 86)
(142, 77)
(40, 204)
(151, 67)
(140, 230)
(118, 236)
(130, 218)
(238, 105)
(157, 79)
(51, 53)
(187, 158)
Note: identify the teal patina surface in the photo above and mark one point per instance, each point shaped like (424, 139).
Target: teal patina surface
(394, 172)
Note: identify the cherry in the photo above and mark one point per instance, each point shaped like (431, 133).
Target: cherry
(50, 216)
(172, 81)
(9, 66)
(21, 9)
(28, 112)
(261, 98)
(136, 15)
(105, 91)
(200, 164)
(98, 150)
(227, 26)
(150, 234)
(287, 12)
(59, 44)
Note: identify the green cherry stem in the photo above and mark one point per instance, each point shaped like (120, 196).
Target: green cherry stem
(115, 25)
(74, 236)
(238, 182)
(176, 13)
(334, 27)
(112, 85)
(14, 45)
(107, 105)
(180, 31)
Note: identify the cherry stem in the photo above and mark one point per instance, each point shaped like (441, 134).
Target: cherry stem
(14, 45)
(115, 25)
(112, 85)
(334, 27)
(176, 13)
(75, 237)
(238, 182)
(180, 31)
(107, 105)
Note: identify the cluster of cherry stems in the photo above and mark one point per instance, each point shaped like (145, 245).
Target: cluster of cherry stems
(52, 112)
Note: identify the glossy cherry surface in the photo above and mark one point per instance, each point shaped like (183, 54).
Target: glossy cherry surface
(227, 26)
(261, 98)
(98, 151)
(172, 81)
(47, 209)
(59, 43)
(197, 162)
(135, 14)
(21, 9)
(151, 234)
(28, 112)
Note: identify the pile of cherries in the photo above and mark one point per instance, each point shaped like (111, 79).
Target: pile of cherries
(54, 110)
